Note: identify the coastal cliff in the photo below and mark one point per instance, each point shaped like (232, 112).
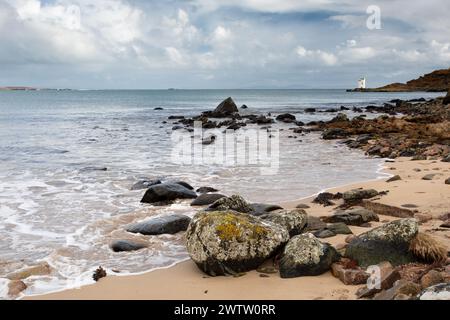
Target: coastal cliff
(436, 81)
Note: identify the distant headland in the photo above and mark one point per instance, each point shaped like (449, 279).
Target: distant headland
(436, 81)
(28, 89)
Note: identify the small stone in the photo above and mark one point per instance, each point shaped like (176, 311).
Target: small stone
(429, 176)
(432, 278)
(302, 206)
(349, 276)
(15, 287)
(99, 273)
(423, 217)
(262, 275)
(325, 233)
(409, 205)
(394, 178)
(447, 181)
(267, 269)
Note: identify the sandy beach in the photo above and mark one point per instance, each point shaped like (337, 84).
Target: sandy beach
(429, 198)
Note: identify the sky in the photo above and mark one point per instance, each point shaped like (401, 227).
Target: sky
(194, 44)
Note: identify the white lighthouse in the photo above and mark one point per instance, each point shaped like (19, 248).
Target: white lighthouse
(362, 83)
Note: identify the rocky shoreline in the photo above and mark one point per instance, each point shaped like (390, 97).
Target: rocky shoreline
(229, 236)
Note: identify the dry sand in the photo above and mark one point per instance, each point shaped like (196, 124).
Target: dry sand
(185, 281)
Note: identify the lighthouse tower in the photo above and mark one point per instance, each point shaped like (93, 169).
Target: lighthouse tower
(362, 83)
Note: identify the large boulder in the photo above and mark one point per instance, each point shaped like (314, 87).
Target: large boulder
(226, 107)
(235, 203)
(305, 255)
(229, 242)
(161, 225)
(206, 199)
(389, 242)
(286, 117)
(353, 217)
(167, 192)
(294, 221)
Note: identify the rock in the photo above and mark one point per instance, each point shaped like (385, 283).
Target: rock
(432, 278)
(126, 245)
(324, 199)
(267, 269)
(206, 190)
(401, 290)
(354, 217)
(446, 99)
(394, 178)
(356, 195)
(161, 225)
(175, 117)
(314, 223)
(286, 117)
(387, 277)
(341, 117)
(185, 184)
(438, 292)
(387, 210)
(389, 242)
(15, 287)
(336, 133)
(446, 158)
(262, 208)
(305, 255)
(339, 228)
(41, 269)
(423, 217)
(429, 176)
(207, 199)
(228, 242)
(226, 107)
(324, 233)
(144, 184)
(445, 224)
(350, 238)
(158, 108)
(98, 274)
(294, 221)
(235, 202)
(349, 276)
(87, 169)
(167, 192)
(447, 181)
(409, 205)
(310, 110)
(244, 106)
(209, 140)
(302, 206)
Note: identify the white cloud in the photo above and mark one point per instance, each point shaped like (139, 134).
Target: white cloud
(326, 58)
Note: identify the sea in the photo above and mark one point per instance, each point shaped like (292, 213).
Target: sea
(69, 158)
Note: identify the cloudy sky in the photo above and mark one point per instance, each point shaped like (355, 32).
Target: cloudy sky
(218, 43)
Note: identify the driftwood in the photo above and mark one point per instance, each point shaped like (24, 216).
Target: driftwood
(387, 210)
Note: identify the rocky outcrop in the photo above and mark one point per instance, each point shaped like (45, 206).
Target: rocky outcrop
(294, 221)
(229, 242)
(286, 117)
(226, 108)
(305, 255)
(389, 242)
(167, 192)
(161, 225)
(235, 202)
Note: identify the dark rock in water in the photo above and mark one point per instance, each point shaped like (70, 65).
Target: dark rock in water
(263, 208)
(185, 184)
(244, 107)
(167, 192)
(390, 242)
(294, 221)
(98, 274)
(207, 199)
(286, 117)
(356, 195)
(336, 133)
(235, 202)
(438, 292)
(158, 108)
(144, 184)
(341, 117)
(87, 169)
(225, 108)
(161, 225)
(310, 110)
(126, 245)
(228, 242)
(177, 127)
(209, 140)
(176, 117)
(394, 178)
(342, 108)
(324, 199)
(354, 217)
(206, 190)
(305, 255)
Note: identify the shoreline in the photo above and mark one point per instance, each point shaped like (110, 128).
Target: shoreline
(186, 281)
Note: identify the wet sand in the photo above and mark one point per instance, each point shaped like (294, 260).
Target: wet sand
(186, 281)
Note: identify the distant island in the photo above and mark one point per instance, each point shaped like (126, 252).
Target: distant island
(436, 81)
(29, 89)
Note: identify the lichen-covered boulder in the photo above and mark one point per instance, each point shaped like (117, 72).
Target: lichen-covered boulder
(293, 220)
(389, 242)
(305, 255)
(229, 242)
(235, 203)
